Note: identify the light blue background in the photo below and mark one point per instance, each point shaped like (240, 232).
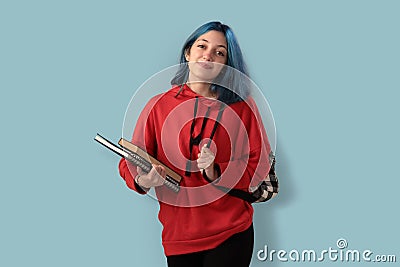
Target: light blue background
(329, 69)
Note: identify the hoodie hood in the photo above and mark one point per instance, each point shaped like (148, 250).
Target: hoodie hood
(184, 92)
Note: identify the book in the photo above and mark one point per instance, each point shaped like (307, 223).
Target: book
(141, 158)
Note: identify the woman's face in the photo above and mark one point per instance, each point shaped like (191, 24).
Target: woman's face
(207, 56)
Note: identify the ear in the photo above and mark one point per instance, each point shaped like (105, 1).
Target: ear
(187, 54)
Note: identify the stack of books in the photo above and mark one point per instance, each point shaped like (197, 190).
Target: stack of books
(141, 158)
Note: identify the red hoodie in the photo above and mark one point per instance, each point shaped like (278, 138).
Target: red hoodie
(200, 216)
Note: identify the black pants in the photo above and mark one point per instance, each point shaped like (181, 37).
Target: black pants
(235, 251)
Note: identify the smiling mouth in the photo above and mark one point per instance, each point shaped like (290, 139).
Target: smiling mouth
(205, 65)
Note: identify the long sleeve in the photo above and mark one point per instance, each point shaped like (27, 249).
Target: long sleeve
(125, 173)
(249, 162)
(143, 137)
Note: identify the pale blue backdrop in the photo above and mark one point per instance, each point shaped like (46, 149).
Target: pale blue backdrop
(329, 69)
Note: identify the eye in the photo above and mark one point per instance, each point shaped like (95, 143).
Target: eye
(221, 54)
(201, 46)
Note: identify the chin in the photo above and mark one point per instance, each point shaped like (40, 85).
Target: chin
(202, 74)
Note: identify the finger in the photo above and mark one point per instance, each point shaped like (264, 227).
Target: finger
(207, 151)
(202, 164)
(201, 161)
(158, 169)
(154, 171)
(162, 171)
(140, 171)
(205, 159)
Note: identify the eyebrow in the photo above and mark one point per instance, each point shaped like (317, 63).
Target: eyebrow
(205, 40)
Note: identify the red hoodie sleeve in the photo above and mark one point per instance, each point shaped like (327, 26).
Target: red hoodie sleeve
(144, 137)
(250, 156)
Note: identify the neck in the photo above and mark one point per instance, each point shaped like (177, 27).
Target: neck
(201, 88)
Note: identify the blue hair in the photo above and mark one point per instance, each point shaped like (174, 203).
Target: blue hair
(238, 89)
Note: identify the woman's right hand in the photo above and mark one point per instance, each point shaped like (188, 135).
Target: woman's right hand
(155, 177)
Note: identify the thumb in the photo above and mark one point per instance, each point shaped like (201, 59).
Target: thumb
(140, 171)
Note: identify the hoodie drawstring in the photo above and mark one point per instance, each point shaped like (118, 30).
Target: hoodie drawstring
(196, 140)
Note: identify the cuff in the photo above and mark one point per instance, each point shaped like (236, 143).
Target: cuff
(216, 168)
(141, 190)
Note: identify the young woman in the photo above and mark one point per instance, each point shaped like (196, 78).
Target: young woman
(207, 129)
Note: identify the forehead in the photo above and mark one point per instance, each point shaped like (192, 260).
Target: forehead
(213, 37)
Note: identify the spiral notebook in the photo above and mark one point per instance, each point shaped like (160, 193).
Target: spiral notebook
(140, 158)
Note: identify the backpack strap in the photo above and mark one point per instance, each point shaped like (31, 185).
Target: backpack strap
(266, 190)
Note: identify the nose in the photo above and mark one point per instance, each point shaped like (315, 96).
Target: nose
(207, 56)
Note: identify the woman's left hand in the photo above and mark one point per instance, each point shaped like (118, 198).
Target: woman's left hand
(205, 162)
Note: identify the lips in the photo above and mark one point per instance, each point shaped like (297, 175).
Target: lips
(205, 65)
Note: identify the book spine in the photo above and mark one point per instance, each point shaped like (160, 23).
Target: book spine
(171, 186)
(139, 161)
